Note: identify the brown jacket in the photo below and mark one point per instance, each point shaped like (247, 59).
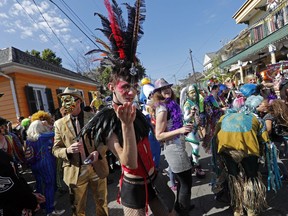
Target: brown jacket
(64, 135)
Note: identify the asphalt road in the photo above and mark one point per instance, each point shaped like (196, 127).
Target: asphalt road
(202, 196)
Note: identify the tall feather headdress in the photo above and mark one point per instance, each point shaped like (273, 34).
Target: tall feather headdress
(120, 52)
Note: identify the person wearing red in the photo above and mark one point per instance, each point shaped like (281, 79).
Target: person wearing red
(121, 126)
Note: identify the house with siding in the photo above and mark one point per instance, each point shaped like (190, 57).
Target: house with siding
(30, 84)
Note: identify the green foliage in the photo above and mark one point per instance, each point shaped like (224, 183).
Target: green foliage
(47, 55)
(50, 56)
(34, 53)
(215, 72)
(104, 76)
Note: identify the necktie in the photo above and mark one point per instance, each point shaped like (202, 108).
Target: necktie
(78, 128)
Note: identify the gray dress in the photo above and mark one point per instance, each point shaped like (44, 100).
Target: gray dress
(174, 149)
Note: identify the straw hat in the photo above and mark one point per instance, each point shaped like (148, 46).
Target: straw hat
(71, 91)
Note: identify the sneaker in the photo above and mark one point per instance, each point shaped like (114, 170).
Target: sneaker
(56, 213)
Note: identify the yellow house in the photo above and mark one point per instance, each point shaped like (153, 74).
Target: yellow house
(30, 84)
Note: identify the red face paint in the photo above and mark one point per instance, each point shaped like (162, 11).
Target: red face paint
(124, 91)
(124, 87)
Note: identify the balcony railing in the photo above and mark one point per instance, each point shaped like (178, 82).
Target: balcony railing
(272, 21)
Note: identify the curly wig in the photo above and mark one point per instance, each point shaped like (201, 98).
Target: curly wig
(42, 116)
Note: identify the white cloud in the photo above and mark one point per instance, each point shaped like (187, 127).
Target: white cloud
(43, 38)
(29, 8)
(3, 15)
(45, 17)
(26, 33)
(11, 30)
(26, 22)
(3, 2)
(74, 40)
(66, 38)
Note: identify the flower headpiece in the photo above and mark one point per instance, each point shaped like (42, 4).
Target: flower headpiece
(120, 53)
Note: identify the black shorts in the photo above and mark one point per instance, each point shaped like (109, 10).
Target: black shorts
(133, 193)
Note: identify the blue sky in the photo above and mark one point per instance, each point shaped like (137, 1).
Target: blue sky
(170, 30)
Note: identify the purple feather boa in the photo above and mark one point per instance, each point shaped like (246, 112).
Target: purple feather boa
(175, 113)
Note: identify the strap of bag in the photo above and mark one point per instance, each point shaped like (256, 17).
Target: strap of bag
(146, 189)
(149, 177)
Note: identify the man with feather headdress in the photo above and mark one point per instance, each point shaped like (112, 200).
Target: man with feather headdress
(122, 127)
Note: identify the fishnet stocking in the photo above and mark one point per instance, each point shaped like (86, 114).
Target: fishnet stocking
(133, 212)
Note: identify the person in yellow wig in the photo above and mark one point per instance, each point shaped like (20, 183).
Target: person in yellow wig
(97, 101)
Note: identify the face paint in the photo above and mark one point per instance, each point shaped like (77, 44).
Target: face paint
(124, 87)
(124, 92)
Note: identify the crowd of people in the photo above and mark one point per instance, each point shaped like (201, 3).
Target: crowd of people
(236, 132)
(241, 127)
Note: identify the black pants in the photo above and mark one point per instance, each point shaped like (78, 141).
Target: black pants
(184, 189)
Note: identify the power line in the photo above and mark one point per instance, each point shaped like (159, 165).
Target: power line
(74, 23)
(75, 15)
(182, 66)
(54, 33)
(39, 28)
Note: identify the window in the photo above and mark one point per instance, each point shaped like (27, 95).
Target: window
(39, 98)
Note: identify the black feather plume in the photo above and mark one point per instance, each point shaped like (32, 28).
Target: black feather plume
(123, 38)
(106, 122)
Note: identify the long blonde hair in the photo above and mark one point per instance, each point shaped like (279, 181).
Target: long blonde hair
(157, 98)
(279, 110)
(35, 129)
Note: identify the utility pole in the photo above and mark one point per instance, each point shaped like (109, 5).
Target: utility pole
(193, 70)
(175, 79)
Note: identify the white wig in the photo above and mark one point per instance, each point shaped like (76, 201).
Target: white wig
(36, 128)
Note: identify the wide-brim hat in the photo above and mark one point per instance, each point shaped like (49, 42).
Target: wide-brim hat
(71, 91)
(161, 83)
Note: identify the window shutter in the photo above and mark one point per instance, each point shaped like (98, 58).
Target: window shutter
(90, 97)
(31, 100)
(50, 100)
(58, 91)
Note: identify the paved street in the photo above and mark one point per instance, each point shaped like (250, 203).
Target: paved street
(202, 197)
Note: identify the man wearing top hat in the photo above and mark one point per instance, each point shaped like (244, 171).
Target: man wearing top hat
(77, 173)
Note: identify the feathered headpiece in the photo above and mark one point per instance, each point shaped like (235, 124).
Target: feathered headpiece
(120, 53)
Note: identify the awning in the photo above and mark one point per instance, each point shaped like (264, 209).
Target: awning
(234, 67)
(275, 36)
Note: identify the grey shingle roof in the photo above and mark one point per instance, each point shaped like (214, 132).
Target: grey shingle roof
(14, 55)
